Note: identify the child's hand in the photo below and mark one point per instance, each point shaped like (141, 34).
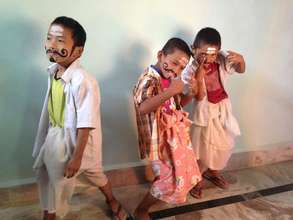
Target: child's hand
(234, 58)
(176, 86)
(192, 69)
(192, 86)
(72, 167)
(200, 71)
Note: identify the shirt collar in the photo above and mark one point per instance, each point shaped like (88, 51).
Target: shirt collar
(154, 71)
(68, 74)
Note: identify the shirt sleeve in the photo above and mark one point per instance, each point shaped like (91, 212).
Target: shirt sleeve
(87, 105)
(145, 89)
(229, 68)
(185, 75)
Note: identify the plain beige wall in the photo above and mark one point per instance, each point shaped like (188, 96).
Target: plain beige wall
(123, 38)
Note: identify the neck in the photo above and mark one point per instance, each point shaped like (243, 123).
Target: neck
(63, 66)
(60, 71)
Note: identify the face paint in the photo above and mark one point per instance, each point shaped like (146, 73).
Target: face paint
(211, 50)
(59, 43)
(168, 73)
(56, 30)
(62, 53)
(207, 54)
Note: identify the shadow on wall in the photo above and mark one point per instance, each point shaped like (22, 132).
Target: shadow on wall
(118, 118)
(22, 91)
(118, 122)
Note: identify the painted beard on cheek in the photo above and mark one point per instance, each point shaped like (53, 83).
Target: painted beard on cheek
(168, 73)
(63, 53)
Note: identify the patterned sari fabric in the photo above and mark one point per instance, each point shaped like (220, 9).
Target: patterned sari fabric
(164, 139)
(177, 172)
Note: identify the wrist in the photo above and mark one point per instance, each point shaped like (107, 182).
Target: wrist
(77, 156)
(169, 93)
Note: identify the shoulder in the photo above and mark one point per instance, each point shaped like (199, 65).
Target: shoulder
(82, 77)
(148, 77)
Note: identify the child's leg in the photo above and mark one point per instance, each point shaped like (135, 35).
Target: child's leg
(60, 194)
(108, 193)
(43, 188)
(142, 210)
(60, 189)
(96, 177)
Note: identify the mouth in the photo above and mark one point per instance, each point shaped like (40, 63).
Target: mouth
(50, 53)
(53, 52)
(169, 74)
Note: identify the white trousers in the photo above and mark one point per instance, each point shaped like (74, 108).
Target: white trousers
(55, 191)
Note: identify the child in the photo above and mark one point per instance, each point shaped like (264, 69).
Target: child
(163, 128)
(68, 141)
(214, 127)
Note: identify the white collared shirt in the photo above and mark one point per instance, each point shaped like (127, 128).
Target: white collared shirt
(82, 110)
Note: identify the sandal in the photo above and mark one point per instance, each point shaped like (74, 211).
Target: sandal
(196, 191)
(120, 213)
(216, 179)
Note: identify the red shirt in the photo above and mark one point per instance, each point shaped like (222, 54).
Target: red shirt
(215, 89)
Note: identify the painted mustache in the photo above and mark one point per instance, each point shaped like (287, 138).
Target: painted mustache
(165, 66)
(62, 53)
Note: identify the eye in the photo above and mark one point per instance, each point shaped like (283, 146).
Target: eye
(48, 38)
(60, 40)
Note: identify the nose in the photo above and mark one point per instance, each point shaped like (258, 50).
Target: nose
(51, 43)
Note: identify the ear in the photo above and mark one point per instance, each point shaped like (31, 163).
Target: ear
(78, 51)
(159, 54)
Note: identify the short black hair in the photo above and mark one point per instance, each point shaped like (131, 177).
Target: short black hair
(78, 32)
(176, 43)
(207, 35)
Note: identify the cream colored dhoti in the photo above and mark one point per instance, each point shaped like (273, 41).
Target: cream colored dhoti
(213, 144)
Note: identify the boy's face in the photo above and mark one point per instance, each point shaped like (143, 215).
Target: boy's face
(206, 53)
(60, 45)
(172, 64)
